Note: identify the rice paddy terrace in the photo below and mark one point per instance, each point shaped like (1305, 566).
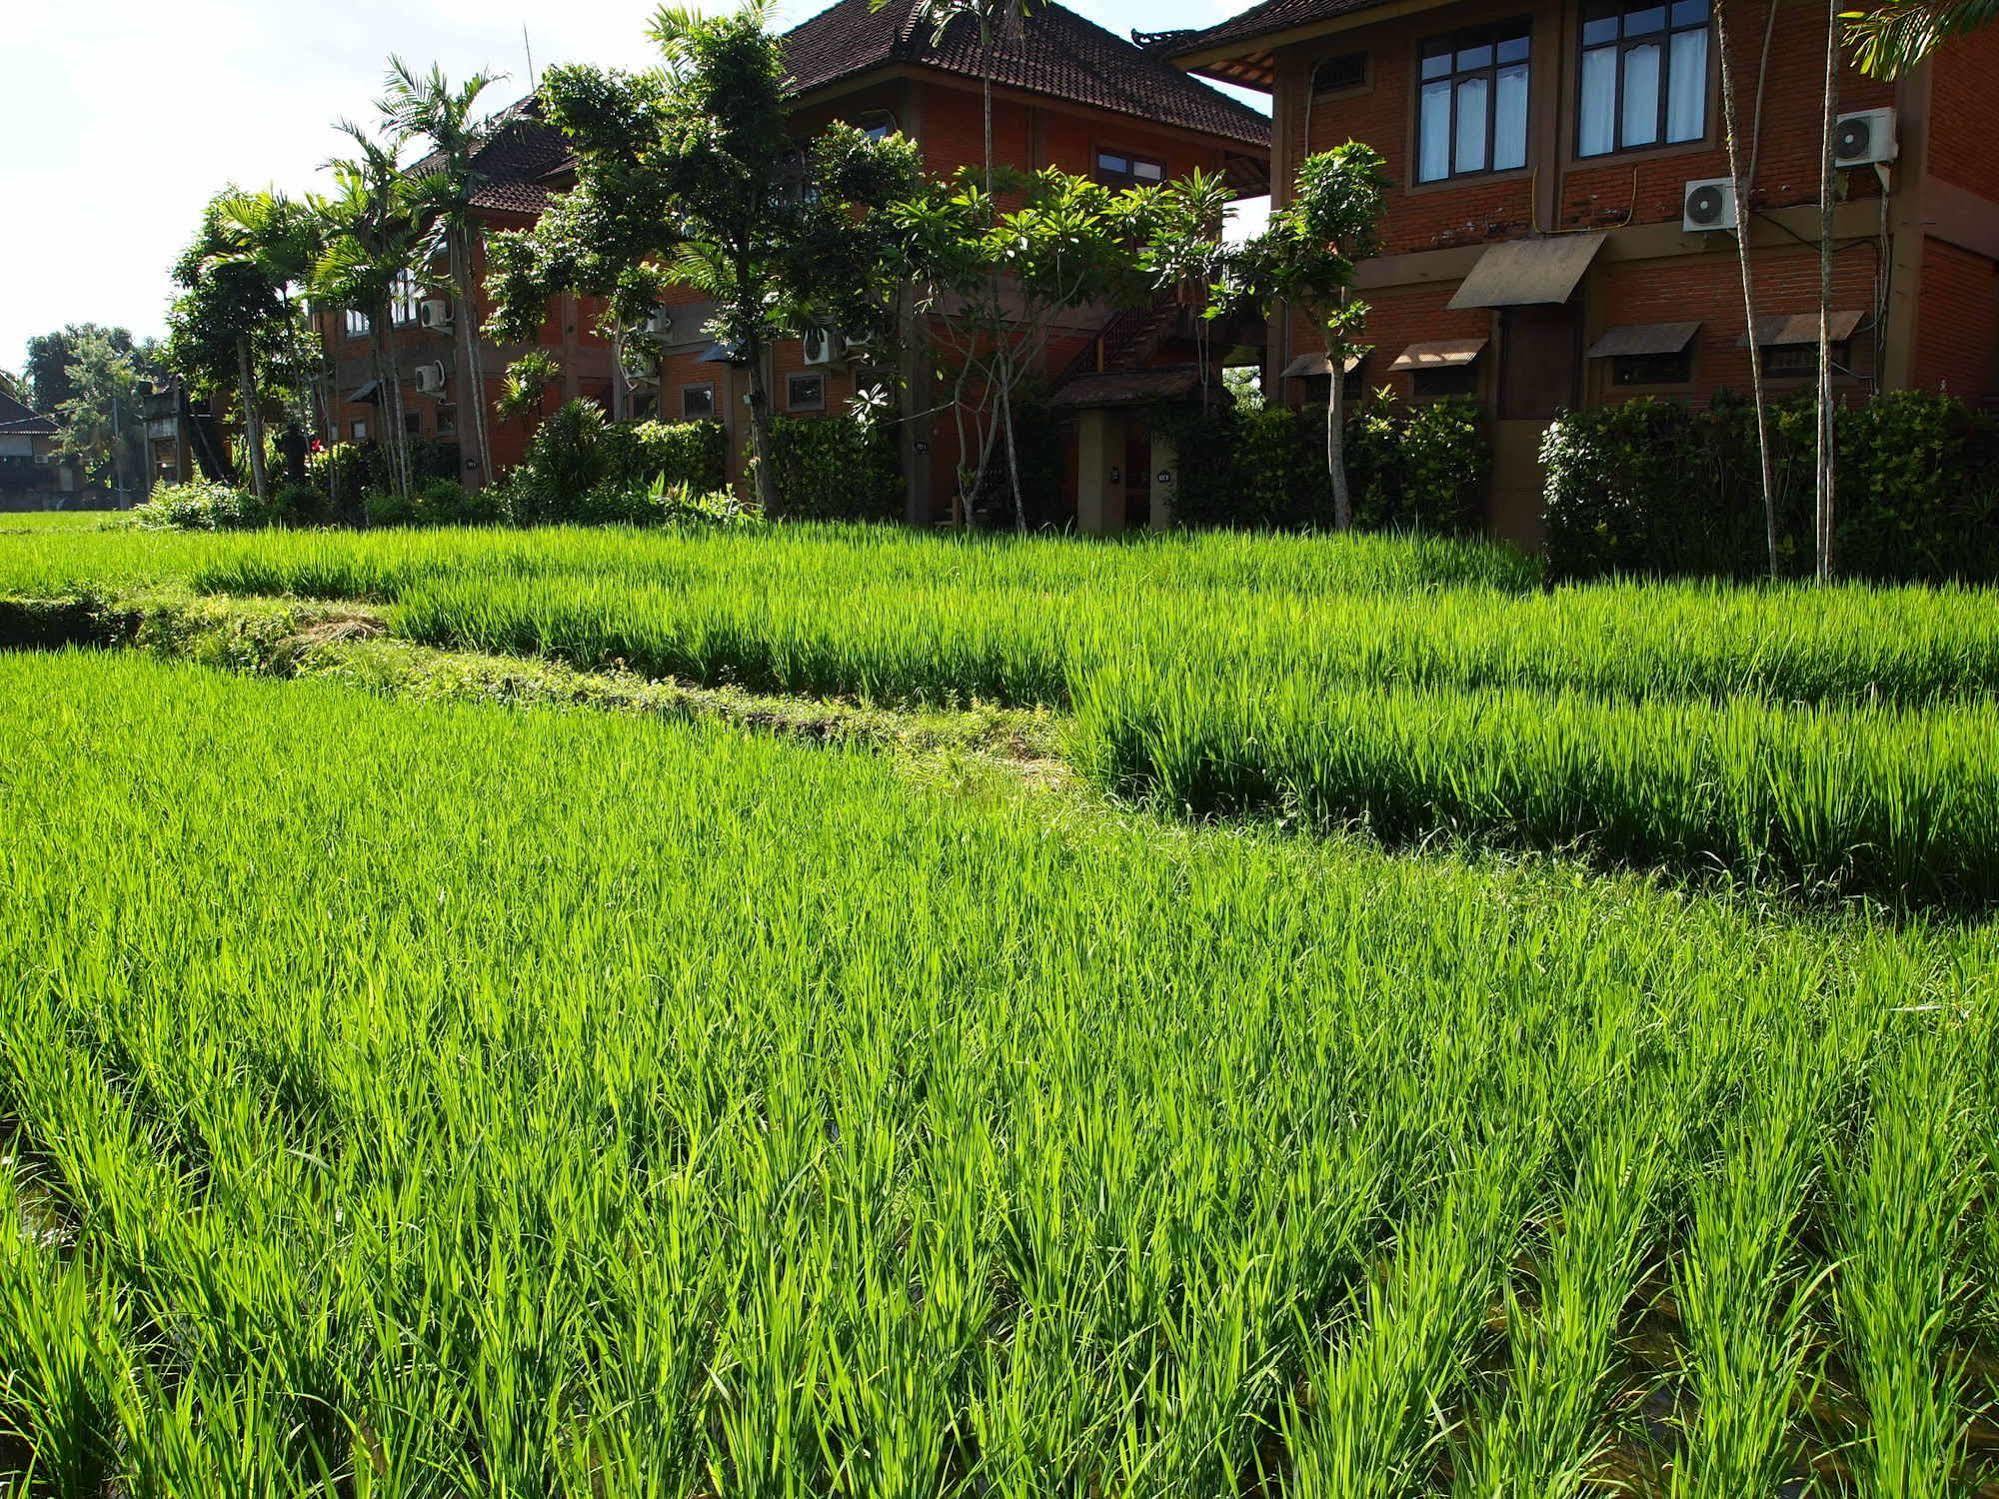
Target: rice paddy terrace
(1213, 1016)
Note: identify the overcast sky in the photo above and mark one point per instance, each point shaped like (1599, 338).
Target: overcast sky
(119, 117)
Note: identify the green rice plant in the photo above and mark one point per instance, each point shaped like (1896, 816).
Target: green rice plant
(1901, 1281)
(1544, 1431)
(451, 1099)
(1744, 1291)
(1873, 801)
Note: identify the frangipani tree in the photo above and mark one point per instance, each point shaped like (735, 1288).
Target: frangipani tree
(1306, 259)
(991, 282)
(686, 174)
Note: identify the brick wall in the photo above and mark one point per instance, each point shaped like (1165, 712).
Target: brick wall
(1638, 187)
(1964, 82)
(1957, 333)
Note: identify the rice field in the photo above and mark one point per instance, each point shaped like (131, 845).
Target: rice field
(436, 1099)
(1823, 743)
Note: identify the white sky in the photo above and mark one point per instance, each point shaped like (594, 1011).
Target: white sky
(118, 118)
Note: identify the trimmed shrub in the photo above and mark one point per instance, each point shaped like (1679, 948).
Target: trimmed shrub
(582, 468)
(1409, 468)
(435, 502)
(203, 505)
(1655, 488)
(836, 468)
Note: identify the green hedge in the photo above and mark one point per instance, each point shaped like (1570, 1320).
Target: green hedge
(1409, 468)
(1655, 488)
(581, 467)
(836, 468)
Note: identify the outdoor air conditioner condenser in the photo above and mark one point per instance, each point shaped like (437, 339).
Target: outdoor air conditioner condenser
(1708, 205)
(1864, 139)
(430, 379)
(434, 313)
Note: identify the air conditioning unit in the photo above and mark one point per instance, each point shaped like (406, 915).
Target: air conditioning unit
(1708, 205)
(853, 343)
(821, 345)
(1864, 139)
(434, 313)
(660, 324)
(640, 368)
(430, 379)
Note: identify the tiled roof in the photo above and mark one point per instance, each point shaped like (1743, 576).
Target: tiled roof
(1240, 34)
(30, 426)
(1058, 53)
(513, 167)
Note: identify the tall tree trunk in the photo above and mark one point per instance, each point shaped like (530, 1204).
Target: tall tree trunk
(1336, 436)
(760, 443)
(1013, 462)
(1824, 485)
(473, 407)
(1743, 186)
(253, 419)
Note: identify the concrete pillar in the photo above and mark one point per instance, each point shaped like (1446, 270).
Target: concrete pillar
(1165, 479)
(1100, 472)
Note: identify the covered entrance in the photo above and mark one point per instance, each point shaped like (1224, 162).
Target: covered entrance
(1126, 466)
(1532, 284)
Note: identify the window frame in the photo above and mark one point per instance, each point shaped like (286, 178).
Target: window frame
(692, 386)
(358, 324)
(357, 430)
(1340, 90)
(1447, 382)
(1129, 175)
(404, 300)
(1622, 363)
(791, 401)
(1450, 44)
(1622, 44)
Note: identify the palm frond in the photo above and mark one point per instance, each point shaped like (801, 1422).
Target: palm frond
(1892, 38)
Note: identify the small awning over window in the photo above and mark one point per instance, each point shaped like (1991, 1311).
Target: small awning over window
(1310, 366)
(1445, 353)
(1642, 338)
(367, 395)
(1801, 328)
(1528, 272)
(718, 354)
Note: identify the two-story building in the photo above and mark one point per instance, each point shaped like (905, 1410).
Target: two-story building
(1066, 93)
(1562, 227)
(33, 475)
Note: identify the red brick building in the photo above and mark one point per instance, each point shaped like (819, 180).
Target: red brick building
(1067, 94)
(1557, 235)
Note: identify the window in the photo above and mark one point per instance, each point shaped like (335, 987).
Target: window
(1337, 74)
(359, 324)
(413, 423)
(876, 124)
(1472, 113)
(805, 393)
(1653, 369)
(1119, 169)
(697, 403)
(403, 301)
(447, 420)
(1801, 361)
(358, 431)
(1449, 380)
(1644, 75)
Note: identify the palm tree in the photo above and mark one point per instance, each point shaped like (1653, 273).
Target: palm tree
(429, 109)
(1823, 485)
(1893, 38)
(374, 240)
(281, 239)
